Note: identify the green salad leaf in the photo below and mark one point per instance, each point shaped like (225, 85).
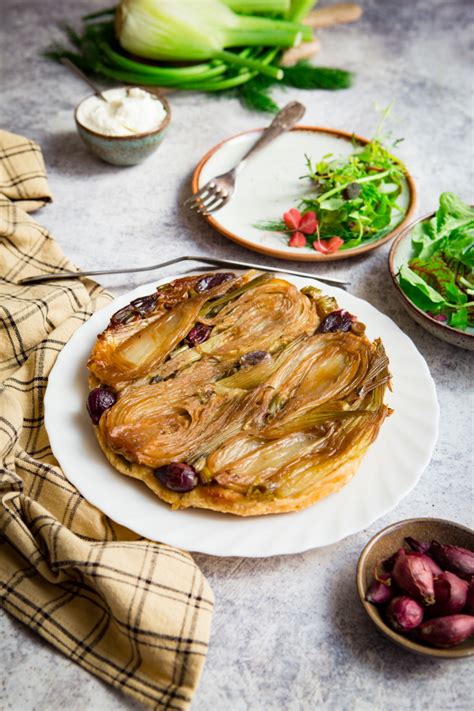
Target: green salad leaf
(418, 291)
(452, 214)
(439, 279)
(460, 246)
(459, 319)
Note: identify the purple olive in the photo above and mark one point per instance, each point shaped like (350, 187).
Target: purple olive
(177, 476)
(98, 401)
(144, 304)
(124, 315)
(198, 334)
(212, 280)
(336, 321)
(253, 357)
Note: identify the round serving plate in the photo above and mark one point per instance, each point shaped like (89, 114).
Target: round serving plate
(270, 184)
(390, 469)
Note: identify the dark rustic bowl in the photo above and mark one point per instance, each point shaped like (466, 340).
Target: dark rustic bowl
(383, 545)
(400, 252)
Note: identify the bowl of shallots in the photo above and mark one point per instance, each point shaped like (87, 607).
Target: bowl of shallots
(415, 580)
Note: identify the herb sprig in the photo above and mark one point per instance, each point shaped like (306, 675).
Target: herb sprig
(256, 93)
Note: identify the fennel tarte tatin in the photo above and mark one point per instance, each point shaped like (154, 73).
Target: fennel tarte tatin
(239, 394)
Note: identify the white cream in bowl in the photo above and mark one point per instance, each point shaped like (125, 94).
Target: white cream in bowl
(127, 111)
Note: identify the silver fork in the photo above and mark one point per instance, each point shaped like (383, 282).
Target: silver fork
(188, 258)
(218, 191)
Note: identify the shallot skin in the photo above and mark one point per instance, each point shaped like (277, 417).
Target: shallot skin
(404, 613)
(450, 594)
(453, 558)
(419, 546)
(446, 631)
(379, 593)
(470, 599)
(414, 577)
(432, 565)
(389, 563)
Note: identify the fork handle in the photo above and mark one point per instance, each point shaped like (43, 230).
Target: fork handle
(283, 121)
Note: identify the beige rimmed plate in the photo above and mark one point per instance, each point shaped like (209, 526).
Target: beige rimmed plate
(270, 184)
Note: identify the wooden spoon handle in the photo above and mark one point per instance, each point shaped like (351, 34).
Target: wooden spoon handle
(306, 50)
(337, 14)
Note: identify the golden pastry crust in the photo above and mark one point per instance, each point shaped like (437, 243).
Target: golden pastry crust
(218, 498)
(268, 437)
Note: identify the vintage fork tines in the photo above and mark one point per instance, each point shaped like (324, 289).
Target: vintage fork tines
(212, 196)
(217, 192)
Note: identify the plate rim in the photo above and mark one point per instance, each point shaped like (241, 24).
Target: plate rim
(303, 545)
(310, 256)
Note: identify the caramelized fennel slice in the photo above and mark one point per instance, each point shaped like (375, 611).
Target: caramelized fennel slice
(267, 317)
(254, 468)
(125, 352)
(152, 344)
(351, 441)
(309, 372)
(162, 422)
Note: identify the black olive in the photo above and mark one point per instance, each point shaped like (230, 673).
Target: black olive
(125, 315)
(144, 304)
(351, 192)
(98, 401)
(336, 321)
(155, 379)
(198, 334)
(211, 280)
(177, 476)
(253, 357)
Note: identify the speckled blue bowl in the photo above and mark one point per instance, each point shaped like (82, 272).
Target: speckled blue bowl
(124, 150)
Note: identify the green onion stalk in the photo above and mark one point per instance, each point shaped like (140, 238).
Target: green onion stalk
(299, 9)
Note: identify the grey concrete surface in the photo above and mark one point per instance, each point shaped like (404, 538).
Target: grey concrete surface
(288, 632)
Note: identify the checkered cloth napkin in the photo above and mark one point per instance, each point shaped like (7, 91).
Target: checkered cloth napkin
(135, 613)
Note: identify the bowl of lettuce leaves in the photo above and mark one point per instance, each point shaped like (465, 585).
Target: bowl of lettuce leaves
(432, 267)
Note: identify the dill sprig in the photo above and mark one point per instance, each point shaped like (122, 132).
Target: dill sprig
(304, 76)
(256, 93)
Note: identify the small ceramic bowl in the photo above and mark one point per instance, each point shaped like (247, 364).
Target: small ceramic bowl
(400, 253)
(383, 545)
(124, 150)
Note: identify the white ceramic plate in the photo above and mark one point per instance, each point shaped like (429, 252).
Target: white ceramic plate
(389, 471)
(270, 184)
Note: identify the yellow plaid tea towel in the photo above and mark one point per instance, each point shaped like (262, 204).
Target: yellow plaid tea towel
(135, 613)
